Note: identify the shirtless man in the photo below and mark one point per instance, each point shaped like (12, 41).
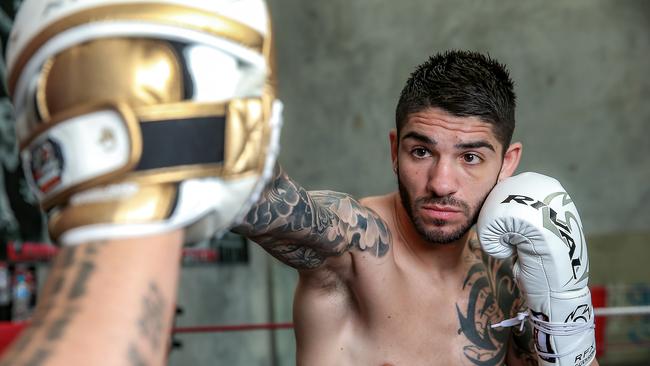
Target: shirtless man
(400, 279)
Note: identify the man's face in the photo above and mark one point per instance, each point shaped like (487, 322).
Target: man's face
(446, 166)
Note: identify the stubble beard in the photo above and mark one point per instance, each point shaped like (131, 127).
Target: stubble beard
(436, 235)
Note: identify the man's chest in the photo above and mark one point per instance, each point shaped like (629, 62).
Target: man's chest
(438, 323)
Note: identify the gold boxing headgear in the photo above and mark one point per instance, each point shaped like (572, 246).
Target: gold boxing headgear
(119, 102)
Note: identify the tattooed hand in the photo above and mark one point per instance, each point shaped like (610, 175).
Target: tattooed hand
(303, 229)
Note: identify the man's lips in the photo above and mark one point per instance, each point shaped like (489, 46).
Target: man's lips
(441, 212)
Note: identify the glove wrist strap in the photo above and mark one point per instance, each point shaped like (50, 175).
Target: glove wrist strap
(551, 328)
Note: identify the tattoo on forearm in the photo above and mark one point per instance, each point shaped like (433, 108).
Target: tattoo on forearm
(304, 228)
(50, 321)
(151, 322)
(57, 327)
(38, 358)
(79, 285)
(135, 357)
(150, 325)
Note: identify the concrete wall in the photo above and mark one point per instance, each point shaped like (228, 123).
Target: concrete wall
(225, 295)
(580, 69)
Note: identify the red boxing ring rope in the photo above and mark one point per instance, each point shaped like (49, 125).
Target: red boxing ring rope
(231, 328)
(39, 252)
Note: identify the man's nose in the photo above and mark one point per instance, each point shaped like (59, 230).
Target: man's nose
(443, 179)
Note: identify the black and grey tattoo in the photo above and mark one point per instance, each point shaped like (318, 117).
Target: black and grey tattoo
(135, 357)
(51, 321)
(493, 297)
(79, 285)
(303, 228)
(150, 325)
(151, 321)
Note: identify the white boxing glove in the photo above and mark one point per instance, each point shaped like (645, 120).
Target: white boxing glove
(136, 118)
(530, 215)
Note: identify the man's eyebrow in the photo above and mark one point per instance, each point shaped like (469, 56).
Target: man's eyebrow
(475, 145)
(420, 137)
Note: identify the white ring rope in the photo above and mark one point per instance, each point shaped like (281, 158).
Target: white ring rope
(623, 310)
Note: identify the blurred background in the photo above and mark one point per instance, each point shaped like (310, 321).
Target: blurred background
(582, 78)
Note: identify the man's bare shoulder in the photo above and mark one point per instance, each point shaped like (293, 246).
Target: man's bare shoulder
(383, 204)
(362, 225)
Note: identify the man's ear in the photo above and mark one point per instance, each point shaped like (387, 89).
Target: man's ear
(392, 136)
(510, 160)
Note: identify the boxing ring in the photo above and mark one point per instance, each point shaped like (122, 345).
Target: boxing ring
(619, 328)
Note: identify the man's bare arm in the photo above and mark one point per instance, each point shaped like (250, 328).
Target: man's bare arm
(105, 303)
(303, 229)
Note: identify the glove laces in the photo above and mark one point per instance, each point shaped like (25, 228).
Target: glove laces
(550, 328)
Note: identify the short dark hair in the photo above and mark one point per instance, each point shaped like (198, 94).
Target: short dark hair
(464, 84)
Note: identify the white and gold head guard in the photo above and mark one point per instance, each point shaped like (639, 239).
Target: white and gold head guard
(138, 116)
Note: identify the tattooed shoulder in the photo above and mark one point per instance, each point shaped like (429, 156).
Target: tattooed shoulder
(363, 227)
(338, 224)
(304, 228)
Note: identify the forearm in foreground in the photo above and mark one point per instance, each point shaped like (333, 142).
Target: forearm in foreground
(105, 303)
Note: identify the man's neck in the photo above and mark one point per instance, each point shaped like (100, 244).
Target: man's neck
(443, 257)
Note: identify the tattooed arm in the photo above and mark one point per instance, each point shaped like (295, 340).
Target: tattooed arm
(493, 297)
(303, 229)
(520, 344)
(521, 351)
(521, 348)
(108, 303)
